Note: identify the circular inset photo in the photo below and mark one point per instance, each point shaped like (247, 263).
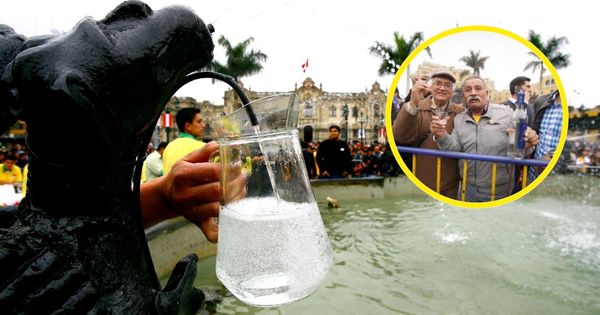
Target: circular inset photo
(477, 116)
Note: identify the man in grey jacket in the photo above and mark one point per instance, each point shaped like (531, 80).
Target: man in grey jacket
(481, 129)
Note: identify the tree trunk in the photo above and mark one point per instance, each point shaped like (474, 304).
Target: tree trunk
(541, 76)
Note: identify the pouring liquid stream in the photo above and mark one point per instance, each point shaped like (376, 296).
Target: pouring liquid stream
(267, 164)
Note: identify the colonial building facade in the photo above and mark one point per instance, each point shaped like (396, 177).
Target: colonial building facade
(319, 110)
(359, 114)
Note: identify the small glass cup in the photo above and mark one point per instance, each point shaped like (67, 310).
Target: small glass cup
(428, 81)
(442, 116)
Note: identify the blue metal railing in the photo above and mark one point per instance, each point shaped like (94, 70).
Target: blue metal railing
(471, 156)
(525, 163)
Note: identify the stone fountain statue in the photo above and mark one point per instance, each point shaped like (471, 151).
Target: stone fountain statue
(91, 98)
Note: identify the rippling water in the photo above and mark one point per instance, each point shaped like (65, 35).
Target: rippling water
(539, 255)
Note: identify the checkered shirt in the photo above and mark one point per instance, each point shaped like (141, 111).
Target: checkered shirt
(550, 129)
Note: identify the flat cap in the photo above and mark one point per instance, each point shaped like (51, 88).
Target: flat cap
(444, 73)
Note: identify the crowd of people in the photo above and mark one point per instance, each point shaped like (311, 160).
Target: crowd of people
(427, 118)
(581, 155)
(335, 159)
(14, 158)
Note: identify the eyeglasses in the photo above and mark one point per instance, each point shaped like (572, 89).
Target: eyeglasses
(439, 84)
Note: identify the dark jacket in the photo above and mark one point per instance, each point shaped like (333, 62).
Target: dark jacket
(540, 106)
(334, 157)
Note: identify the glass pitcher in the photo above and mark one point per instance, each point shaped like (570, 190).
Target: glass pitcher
(273, 248)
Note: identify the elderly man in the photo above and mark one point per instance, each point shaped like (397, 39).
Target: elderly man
(411, 128)
(481, 129)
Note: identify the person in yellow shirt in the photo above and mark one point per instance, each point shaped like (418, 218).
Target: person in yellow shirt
(10, 173)
(191, 126)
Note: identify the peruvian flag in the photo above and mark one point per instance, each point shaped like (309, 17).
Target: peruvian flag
(305, 66)
(167, 120)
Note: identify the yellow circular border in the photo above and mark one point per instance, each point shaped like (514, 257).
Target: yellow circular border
(487, 204)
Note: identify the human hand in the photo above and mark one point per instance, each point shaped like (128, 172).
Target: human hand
(193, 189)
(418, 92)
(437, 127)
(414, 78)
(257, 159)
(531, 138)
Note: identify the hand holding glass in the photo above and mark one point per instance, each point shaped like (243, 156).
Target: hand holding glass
(442, 116)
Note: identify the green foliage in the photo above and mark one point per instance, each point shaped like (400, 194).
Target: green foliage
(393, 56)
(241, 62)
(474, 61)
(551, 49)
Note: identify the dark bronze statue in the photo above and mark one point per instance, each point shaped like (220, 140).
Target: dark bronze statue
(91, 98)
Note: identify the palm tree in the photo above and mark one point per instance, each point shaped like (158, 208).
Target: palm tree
(474, 61)
(393, 56)
(551, 50)
(240, 62)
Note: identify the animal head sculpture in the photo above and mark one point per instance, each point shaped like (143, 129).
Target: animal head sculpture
(107, 82)
(126, 65)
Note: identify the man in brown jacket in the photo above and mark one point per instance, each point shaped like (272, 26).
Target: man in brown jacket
(411, 128)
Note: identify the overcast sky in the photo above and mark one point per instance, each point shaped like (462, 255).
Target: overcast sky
(335, 37)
